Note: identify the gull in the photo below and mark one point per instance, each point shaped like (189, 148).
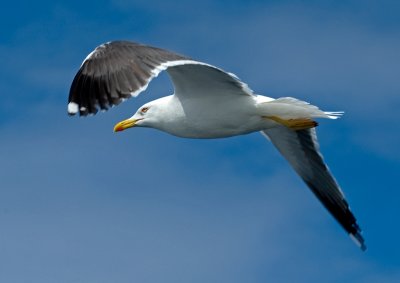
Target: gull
(209, 103)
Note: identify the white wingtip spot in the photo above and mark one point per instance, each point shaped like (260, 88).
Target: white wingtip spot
(73, 108)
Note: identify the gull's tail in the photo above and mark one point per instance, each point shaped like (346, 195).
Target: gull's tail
(292, 108)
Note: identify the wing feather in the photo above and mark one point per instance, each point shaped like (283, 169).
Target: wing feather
(118, 70)
(301, 150)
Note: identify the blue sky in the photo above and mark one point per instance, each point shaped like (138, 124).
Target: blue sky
(79, 203)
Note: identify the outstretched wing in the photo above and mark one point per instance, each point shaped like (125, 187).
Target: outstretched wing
(301, 149)
(118, 70)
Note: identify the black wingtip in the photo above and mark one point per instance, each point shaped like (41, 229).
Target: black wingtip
(71, 114)
(359, 241)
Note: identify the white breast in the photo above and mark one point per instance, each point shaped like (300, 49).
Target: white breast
(214, 117)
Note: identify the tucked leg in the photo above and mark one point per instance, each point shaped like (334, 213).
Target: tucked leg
(294, 124)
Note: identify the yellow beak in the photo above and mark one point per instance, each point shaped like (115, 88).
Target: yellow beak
(123, 125)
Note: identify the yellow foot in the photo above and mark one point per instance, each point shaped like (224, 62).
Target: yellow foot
(294, 124)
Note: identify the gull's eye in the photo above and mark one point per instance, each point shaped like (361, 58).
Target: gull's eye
(144, 109)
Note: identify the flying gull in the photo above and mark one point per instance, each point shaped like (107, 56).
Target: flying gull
(209, 103)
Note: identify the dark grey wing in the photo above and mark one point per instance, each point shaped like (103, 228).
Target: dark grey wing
(113, 72)
(301, 149)
(118, 70)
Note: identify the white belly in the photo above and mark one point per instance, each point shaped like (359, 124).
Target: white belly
(218, 118)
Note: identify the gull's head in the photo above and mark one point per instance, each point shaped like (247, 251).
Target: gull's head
(145, 116)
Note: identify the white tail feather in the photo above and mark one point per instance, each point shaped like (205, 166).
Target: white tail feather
(292, 108)
(334, 115)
